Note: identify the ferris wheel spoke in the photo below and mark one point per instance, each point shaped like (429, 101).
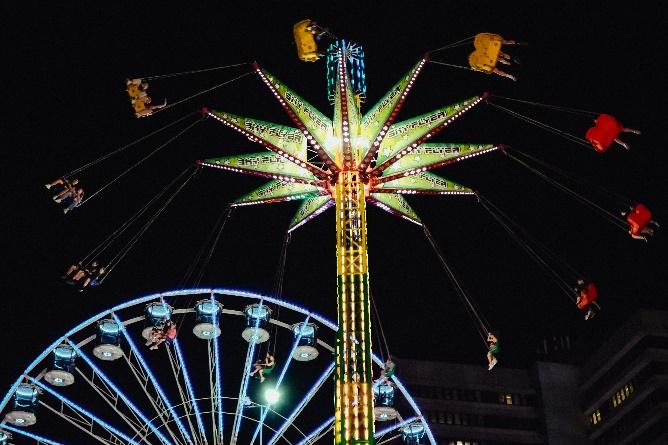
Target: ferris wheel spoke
(157, 403)
(389, 439)
(85, 419)
(28, 434)
(300, 406)
(179, 368)
(86, 426)
(104, 393)
(284, 370)
(214, 398)
(318, 432)
(117, 392)
(148, 375)
(395, 427)
(413, 405)
(244, 386)
(216, 392)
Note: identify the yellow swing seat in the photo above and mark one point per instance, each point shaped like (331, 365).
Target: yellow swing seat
(486, 53)
(307, 49)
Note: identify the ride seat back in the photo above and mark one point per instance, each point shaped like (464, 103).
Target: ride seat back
(307, 49)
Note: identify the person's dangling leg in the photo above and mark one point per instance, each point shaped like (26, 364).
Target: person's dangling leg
(504, 74)
(57, 182)
(79, 275)
(623, 144)
(648, 231)
(71, 270)
(64, 194)
(634, 236)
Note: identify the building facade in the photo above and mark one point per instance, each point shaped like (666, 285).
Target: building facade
(624, 385)
(617, 396)
(468, 405)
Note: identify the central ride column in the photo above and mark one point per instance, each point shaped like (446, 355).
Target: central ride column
(354, 420)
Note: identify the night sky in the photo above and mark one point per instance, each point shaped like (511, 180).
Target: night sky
(66, 105)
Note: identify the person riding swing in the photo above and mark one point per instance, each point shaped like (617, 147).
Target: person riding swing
(493, 351)
(586, 298)
(263, 368)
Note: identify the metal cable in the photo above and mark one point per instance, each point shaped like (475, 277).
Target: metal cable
(133, 166)
(481, 324)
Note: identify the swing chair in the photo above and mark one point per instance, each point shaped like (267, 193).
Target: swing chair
(304, 33)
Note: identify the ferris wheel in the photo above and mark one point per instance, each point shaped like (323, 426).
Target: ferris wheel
(109, 379)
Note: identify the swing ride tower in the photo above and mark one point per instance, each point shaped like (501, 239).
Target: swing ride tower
(361, 159)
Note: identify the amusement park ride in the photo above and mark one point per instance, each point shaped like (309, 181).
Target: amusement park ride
(347, 161)
(366, 160)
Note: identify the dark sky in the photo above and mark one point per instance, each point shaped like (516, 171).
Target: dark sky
(66, 105)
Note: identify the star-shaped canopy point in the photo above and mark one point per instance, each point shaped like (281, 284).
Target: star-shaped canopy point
(391, 157)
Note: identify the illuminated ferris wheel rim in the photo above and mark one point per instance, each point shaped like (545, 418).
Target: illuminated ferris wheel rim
(160, 296)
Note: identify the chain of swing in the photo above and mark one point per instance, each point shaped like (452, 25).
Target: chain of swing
(98, 264)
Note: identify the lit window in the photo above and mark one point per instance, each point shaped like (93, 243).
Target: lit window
(595, 417)
(621, 395)
(508, 399)
(628, 388)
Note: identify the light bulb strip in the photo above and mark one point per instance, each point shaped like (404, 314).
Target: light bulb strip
(392, 117)
(318, 172)
(249, 171)
(331, 165)
(412, 146)
(415, 171)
